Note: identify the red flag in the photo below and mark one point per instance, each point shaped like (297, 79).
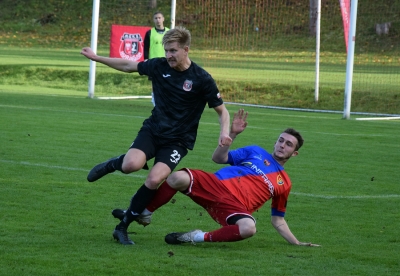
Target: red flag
(345, 8)
(127, 42)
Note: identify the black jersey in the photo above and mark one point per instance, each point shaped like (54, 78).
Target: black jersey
(180, 98)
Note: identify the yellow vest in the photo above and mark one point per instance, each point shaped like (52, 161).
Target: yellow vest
(156, 47)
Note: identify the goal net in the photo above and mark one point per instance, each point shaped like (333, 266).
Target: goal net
(263, 52)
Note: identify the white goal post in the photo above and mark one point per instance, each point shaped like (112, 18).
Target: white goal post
(93, 45)
(350, 59)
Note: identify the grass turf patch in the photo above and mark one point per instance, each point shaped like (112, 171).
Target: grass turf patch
(344, 194)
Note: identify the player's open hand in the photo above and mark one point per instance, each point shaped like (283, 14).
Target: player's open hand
(239, 122)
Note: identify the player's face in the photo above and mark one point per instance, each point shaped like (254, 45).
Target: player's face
(158, 21)
(176, 56)
(285, 147)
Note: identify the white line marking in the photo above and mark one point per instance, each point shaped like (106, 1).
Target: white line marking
(315, 132)
(71, 111)
(124, 97)
(378, 118)
(136, 175)
(143, 176)
(346, 197)
(202, 123)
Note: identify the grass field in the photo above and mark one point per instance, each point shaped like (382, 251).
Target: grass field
(345, 193)
(288, 78)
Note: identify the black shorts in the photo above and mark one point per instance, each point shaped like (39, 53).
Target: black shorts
(167, 152)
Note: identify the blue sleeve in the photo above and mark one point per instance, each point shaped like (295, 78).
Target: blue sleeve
(275, 212)
(237, 156)
(230, 159)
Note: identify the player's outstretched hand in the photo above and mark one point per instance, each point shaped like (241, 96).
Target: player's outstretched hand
(88, 52)
(239, 122)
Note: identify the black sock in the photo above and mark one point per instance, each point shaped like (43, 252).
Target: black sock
(139, 202)
(116, 164)
(128, 218)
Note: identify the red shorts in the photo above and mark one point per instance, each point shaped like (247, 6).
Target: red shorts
(209, 192)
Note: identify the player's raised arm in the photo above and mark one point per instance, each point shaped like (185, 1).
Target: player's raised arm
(239, 123)
(120, 64)
(224, 118)
(282, 227)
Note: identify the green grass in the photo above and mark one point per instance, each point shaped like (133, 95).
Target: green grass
(288, 81)
(345, 181)
(345, 193)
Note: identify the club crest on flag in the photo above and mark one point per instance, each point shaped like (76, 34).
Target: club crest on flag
(131, 47)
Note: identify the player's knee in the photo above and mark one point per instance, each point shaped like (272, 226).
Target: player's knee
(129, 166)
(247, 230)
(172, 179)
(178, 180)
(153, 181)
(134, 160)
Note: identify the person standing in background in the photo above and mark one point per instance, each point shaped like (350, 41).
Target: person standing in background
(153, 46)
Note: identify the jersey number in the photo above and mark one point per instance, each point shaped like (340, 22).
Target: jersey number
(175, 157)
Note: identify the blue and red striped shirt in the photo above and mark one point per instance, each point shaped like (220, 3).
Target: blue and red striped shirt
(254, 177)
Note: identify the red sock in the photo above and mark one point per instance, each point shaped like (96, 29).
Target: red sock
(228, 233)
(163, 196)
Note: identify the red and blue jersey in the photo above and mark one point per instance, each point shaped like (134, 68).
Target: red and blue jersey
(255, 177)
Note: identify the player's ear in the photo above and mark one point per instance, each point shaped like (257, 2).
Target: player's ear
(295, 153)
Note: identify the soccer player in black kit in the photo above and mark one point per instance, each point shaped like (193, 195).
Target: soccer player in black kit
(181, 90)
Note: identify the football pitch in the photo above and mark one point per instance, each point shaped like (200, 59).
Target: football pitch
(345, 194)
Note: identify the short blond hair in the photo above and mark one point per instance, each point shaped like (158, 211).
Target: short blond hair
(178, 34)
